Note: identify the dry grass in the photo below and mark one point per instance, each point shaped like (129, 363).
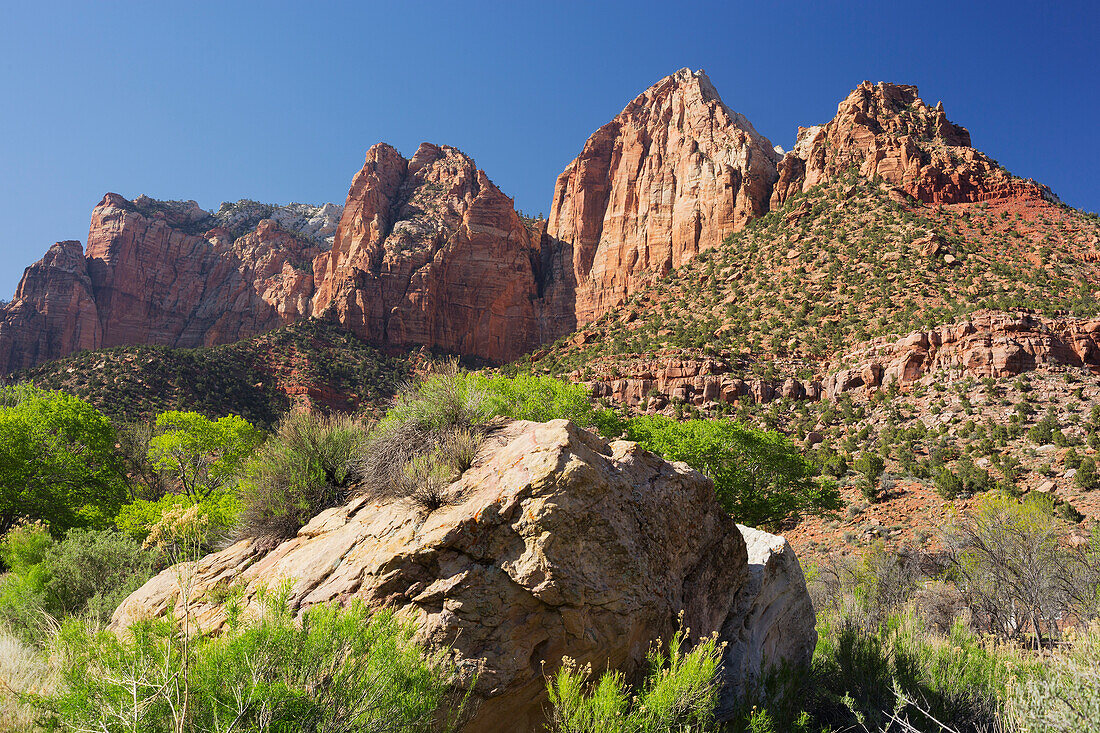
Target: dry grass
(23, 670)
(427, 441)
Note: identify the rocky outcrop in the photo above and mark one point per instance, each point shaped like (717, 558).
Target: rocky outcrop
(775, 606)
(430, 252)
(673, 174)
(988, 344)
(53, 312)
(651, 385)
(154, 273)
(554, 543)
(887, 131)
(154, 283)
(427, 252)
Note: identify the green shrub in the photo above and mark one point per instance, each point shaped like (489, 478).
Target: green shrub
(57, 461)
(537, 398)
(1086, 477)
(92, 571)
(88, 573)
(307, 466)
(760, 477)
(447, 399)
(679, 694)
(948, 484)
(221, 511)
(863, 677)
(339, 669)
(870, 466)
(432, 433)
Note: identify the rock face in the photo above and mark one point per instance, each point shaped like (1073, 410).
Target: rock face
(429, 251)
(651, 385)
(675, 172)
(53, 312)
(426, 252)
(156, 283)
(773, 614)
(886, 130)
(989, 344)
(554, 543)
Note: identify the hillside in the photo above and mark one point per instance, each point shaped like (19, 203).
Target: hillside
(844, 263)
(312, 363)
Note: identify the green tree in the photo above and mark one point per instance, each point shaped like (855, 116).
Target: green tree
(760, 477)
(57, 461)
(1086, 477)
(200, 454)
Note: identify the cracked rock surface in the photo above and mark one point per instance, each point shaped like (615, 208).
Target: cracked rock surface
(554, 543)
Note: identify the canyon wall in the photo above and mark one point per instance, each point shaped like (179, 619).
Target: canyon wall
(428, 251)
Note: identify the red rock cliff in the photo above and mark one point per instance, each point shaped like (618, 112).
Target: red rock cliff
(886, 130)
(672, 174)
(429, 251)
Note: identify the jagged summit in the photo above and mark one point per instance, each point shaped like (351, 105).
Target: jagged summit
(886, 131)
(671, 175)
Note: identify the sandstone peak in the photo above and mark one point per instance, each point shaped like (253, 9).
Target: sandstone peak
(884, 130)
(671, 175)
(429, 251)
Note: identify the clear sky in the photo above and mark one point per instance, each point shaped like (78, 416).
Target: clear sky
(279, 102)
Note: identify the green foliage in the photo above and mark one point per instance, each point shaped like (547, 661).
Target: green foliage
(760, 477)
(1007, 560)
(57, 461)
(947, 483)
(92, 571)
(1065, 696)
(200, 454)
(870, 466)
(339, 669)
(678, 695)
(87, 573)
(1086, 477)
(537, 398)
(866, 676)
(221, 511)
(307, 466)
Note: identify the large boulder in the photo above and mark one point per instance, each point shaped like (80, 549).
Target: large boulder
(554, 543)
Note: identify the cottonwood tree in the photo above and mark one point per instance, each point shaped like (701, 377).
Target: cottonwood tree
(201, 455)
(1008, 560)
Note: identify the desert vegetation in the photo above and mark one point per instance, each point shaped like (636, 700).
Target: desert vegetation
(991, 627)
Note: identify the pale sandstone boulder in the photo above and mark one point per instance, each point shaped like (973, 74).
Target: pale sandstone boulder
(776, 616)
(555, 543)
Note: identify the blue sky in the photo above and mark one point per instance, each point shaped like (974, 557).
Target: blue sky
(280, 101)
